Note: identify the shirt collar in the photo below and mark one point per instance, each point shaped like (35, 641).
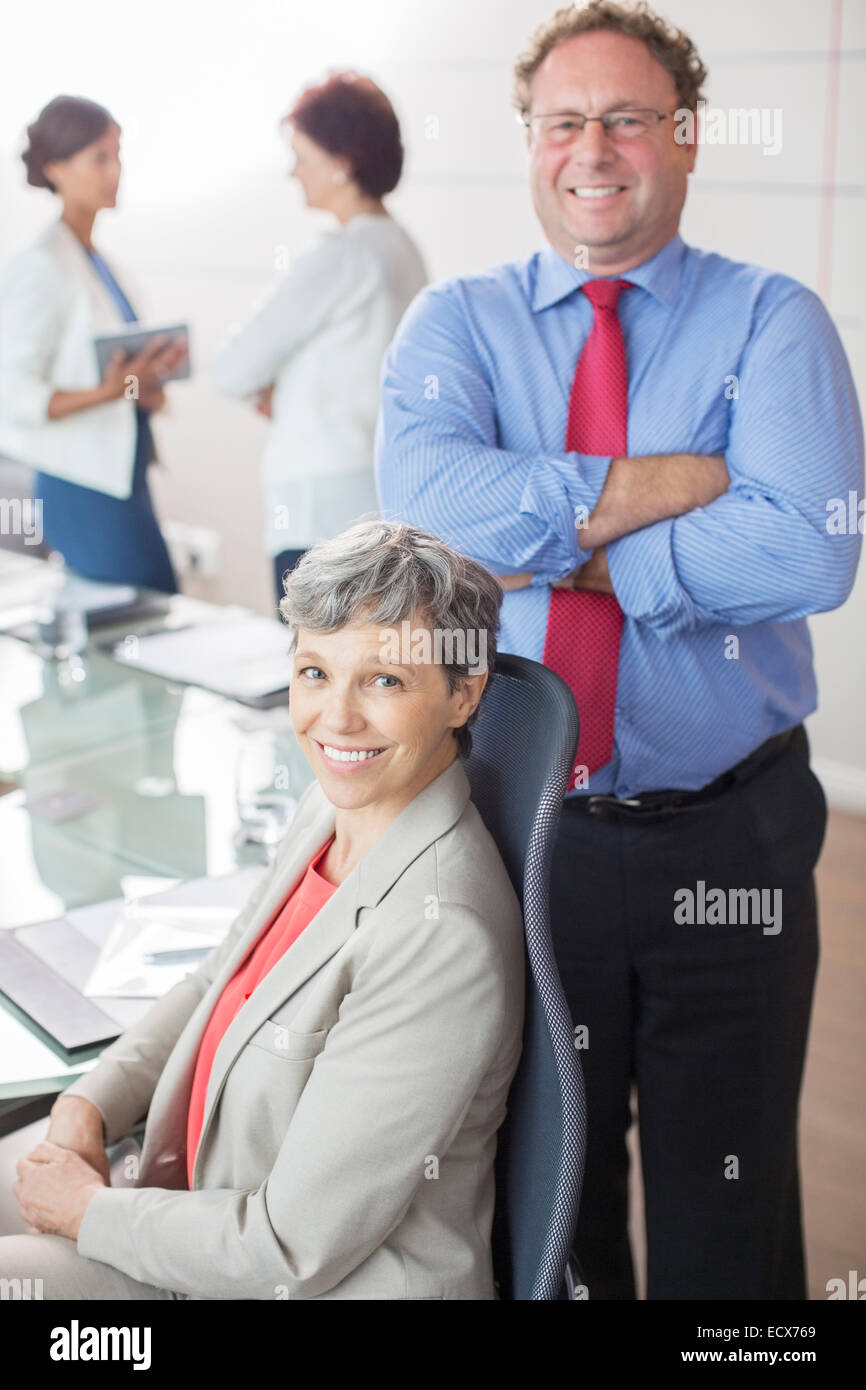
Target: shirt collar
(555, 278)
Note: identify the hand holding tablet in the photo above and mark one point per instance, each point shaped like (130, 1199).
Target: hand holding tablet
(150, 356)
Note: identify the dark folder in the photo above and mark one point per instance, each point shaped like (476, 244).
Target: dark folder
(58, 1013)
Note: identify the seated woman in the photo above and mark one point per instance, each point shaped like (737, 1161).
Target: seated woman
(323, 1094)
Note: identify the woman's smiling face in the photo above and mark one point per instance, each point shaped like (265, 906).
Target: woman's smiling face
(397, 719)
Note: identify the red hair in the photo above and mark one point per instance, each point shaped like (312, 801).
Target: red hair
(349, 116)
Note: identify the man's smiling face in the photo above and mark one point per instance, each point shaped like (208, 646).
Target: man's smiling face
(620, 200)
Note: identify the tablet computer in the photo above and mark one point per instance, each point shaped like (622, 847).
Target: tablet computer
(134, 338)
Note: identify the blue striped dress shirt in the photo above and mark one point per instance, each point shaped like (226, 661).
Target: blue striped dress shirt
(723, 358)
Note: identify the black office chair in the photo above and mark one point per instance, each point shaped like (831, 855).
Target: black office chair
(524, 743)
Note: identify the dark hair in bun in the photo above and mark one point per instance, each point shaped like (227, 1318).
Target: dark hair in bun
(62, 128)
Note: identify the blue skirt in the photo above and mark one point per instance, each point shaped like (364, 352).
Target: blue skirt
(115, 539)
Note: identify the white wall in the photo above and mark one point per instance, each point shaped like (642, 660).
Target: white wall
(205, 203)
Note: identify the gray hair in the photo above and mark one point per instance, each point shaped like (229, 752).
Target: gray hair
(387, 572)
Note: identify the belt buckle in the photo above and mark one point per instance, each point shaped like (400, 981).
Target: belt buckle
(599, 804)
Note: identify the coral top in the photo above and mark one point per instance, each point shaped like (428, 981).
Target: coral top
(296, 913)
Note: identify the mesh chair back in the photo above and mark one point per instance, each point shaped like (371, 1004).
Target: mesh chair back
(524, 744)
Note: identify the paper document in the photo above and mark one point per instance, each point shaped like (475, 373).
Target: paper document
(140, 959)
(241, 657)
(127, 970)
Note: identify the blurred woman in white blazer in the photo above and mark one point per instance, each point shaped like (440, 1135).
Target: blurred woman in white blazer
(88, 437)
(310, 355)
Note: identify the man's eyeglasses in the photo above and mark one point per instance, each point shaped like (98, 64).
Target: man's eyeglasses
(563, 127)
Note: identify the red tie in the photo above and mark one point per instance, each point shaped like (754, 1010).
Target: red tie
(584, 629)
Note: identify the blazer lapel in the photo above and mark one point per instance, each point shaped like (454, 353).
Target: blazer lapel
(331, 927)
(287, 874)
(170, 1103)
(106, 314)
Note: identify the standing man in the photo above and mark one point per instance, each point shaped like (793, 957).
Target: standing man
(643, 439)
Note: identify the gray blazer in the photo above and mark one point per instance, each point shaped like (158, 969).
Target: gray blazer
(351, 1116)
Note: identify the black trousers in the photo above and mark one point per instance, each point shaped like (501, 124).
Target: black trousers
(286, 560)
(708, 1019)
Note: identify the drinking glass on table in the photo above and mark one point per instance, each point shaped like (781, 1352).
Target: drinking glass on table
(264, 799)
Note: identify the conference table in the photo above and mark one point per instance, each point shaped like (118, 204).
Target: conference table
(115, 783)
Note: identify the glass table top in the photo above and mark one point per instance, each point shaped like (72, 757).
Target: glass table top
(47, 716)
(171, 798)
(122, 777)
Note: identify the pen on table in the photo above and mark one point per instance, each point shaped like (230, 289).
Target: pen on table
(182, 956)
(116, 647)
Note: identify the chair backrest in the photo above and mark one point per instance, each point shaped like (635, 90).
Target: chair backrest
(524, 743)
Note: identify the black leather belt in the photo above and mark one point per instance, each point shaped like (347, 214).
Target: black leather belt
(652, 805)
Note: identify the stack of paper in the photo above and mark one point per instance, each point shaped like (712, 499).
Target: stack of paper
(242, 657)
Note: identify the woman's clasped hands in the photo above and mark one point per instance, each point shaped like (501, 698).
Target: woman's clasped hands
(58, 1178)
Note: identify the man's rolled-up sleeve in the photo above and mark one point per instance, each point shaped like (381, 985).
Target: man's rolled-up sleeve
(767, 549)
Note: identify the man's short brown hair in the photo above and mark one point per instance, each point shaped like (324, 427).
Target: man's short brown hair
(670, 46)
